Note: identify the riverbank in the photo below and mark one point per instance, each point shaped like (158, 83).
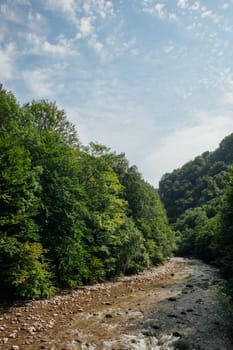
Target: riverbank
(152, 310)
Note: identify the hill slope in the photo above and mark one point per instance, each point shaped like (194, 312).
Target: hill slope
(199, 182)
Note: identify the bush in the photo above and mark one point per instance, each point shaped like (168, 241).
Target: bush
(24, 270)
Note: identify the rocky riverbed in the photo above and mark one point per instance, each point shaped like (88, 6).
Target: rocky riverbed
(168, 307)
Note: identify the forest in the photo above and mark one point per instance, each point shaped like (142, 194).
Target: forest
(73, 214)
(198, 198)
(69, 214)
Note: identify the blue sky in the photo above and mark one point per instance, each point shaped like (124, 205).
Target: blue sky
(153, 79)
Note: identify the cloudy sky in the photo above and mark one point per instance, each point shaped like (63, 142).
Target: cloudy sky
(153, 79)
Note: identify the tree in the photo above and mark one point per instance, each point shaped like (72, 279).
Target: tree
(146, 210)
(62, 211)
(22, 270)
(224, 241)
(106, 211)
(69, 214)
(47, 117)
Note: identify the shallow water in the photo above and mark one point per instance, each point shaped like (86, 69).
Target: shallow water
(156, 317)
(156, 309)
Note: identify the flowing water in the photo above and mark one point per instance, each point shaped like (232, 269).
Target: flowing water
(171, 307)
(180, 313)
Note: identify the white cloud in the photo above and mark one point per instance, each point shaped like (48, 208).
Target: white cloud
(168, 49)
(7, 56)
(64, 6)
(196, 5)
(35, 17)
(182, 4)
(67, 8)
(210, 14)
(9, 13)
(225, 6)
(74, 10)
(135, 52)
(86, 27)
(39, 45)
(160, 10)
(227, 99)
(85, 15)
(172, 16)
(100, 7)
(39, 82)
(116, 45)
(98, 47)
(36, 22)
(74, 115)
(130, 46)
(16, 13)
(184, 144)
(191, 26)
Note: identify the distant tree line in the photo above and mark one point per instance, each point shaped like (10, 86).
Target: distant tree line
(198, 198)
(69, 214)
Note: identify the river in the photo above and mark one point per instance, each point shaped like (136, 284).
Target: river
(170, 307)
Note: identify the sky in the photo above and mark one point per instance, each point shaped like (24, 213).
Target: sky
(152, 79)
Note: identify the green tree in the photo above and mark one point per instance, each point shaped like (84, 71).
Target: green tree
(69, 214)
(130, 251)
(147, 211)
(61, 217)
(106, 211)
(24, 272)
(224, 240)
(20, 254)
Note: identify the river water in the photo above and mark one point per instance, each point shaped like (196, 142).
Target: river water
(181, 312)
(169, 307)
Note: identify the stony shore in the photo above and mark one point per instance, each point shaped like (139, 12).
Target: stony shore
(167, 300)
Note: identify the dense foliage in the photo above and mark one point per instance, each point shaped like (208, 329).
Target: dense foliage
(197, 183)
(199, 202)
(68, 214)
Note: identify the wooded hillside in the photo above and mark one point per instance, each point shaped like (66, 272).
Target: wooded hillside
(198, 198)
(69, 214)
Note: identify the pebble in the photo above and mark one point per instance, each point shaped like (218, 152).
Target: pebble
(31, 329)
(36, 323)
(106, 303)
(15, 347)
(13, 335)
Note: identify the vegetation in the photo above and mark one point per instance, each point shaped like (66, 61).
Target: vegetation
(69, 214)
(199, 201)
